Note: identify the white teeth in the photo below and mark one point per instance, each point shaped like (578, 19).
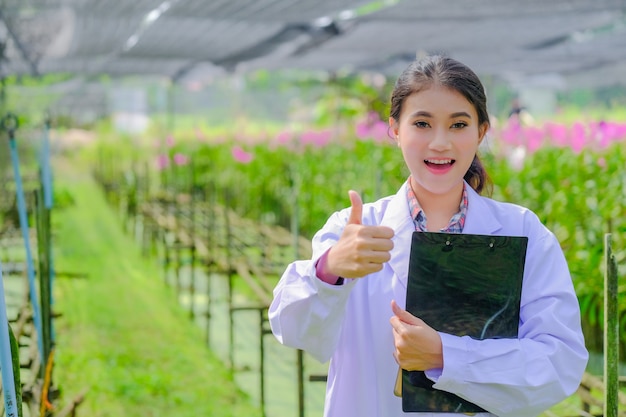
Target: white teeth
(439, 161)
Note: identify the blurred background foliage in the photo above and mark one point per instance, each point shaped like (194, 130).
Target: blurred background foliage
(293, 167)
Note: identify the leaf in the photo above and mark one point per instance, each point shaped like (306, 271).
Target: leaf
(16, 371)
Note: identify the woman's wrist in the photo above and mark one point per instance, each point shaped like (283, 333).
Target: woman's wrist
(321, 270)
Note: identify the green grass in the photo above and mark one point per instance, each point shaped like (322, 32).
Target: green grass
(121, 332)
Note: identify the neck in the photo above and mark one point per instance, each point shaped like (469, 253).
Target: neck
(438, 208)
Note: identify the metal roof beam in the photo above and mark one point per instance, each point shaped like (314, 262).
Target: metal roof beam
(20, 46)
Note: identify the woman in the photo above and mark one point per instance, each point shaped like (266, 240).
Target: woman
(345, 304)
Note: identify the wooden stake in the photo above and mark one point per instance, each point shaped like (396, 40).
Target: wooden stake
(611, 329)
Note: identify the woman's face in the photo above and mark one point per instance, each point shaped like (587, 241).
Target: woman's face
(439, 134)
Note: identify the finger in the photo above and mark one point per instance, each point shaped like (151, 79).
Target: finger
(381, 244)
(382, 232)
(395, 308)
(356, 211)
(371, 267)
(396, 324)
(404, 315)
(377, 257)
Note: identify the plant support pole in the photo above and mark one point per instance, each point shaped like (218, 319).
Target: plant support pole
(295, 226)
(10, 124)
(46, 174)
(611, 332)
(6, 359)
(44, 243)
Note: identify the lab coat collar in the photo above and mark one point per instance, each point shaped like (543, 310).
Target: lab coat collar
(480, 219)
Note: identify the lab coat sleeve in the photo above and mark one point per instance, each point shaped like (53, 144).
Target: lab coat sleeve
(307, 313)
(544, 365)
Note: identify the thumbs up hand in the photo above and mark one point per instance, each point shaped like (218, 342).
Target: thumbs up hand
(361, 250)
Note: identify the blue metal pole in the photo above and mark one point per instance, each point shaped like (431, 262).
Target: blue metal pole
(10, 124)
(6, 359)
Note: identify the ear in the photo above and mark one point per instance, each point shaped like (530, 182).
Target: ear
(393, 125)
(482, 132)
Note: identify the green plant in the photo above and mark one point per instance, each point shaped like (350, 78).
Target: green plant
(303, 177)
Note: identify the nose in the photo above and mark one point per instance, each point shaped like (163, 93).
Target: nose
(440, 141)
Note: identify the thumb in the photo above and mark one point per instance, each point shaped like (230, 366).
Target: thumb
(356, 212)
(404, 315)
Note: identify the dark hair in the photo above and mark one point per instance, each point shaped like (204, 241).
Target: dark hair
(447, 72)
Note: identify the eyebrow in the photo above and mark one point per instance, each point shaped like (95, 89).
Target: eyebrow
(423, 113)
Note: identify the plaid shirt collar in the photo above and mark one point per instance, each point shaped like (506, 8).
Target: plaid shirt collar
(457, 222)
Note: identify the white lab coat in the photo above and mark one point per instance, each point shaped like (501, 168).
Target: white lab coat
(349, 324)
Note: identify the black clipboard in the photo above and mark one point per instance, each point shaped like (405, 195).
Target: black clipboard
(466, 285)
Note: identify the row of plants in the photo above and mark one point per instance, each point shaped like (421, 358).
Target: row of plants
(572, 176)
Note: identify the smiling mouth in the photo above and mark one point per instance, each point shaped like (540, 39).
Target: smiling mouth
(439, 163)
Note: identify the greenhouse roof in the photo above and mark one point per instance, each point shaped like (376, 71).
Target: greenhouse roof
(581, 42)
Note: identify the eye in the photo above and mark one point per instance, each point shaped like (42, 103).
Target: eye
(459, 125)
(421, 124)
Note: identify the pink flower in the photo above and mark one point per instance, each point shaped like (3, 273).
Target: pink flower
(162, 162)
(283, 138)
(511, 133)
(620, 131)
(609, 132)
(380, 131)
(240, 155)
(200, 134)
(557, 133)
(308, 137)
(316, 138)
(169, 141)
(362, 130)
(372, 128)
(534, 138)
(180, 159)
(578, 137)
